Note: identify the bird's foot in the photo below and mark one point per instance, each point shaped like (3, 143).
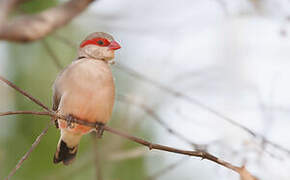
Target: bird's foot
(100, 129)
(56, 124)
(55, 120)
(70, 121)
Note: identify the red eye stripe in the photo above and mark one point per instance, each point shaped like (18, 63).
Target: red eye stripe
(96, 41)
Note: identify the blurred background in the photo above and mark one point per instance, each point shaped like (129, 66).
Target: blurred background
(228, 58)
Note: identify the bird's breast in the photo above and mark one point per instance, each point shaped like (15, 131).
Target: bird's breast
(88, 91)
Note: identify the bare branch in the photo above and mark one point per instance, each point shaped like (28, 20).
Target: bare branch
(50, 52)
(223, 5)
(201, 154)
(24, 112)
(166, 169)
(65, 41)
(245, 175)
(24, 93)
(33, 27)
(158, 119)
(196, 102)
(128, 154)
(97, 159)
(26, 155)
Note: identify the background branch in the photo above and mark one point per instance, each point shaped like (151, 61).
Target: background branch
(160, 121)
(50, 52)
(33, 27)
(196, 102)
(168, 168)
(26, 155)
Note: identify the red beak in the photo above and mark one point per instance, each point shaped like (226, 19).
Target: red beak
(114, 45)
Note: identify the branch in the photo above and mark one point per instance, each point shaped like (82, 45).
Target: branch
(155, 116)
(23, 112)
(196, 102)
(24, 93)
(50, 52)
(97, 159)
(33, 27)
(26, 155)
(65, 41)
(166, 169)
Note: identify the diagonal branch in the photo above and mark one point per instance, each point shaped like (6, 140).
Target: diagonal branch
(24, 112)
(158, 119)
(65, 41)
(26, 155)
(168, 168)
(24, 93)
(50, 52)
(33, 27)
(196, 102)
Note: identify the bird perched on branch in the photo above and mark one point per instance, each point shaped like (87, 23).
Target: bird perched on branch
(84, 90)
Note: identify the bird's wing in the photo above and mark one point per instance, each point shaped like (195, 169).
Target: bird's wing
(56, 97)
(55, 100)
(55, 103)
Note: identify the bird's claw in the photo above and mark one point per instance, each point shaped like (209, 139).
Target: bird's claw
(100, 129)
(70, 120)
(56, 124)
(55, 120)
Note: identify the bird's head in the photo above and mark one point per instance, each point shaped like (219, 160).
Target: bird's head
(99, 46)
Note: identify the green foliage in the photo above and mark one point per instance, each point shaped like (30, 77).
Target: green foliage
(34, 6)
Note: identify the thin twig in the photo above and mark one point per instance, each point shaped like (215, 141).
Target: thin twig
(158, 119)
(128, 154)
(26, 155)
(168, 168)
(24, 93)
(24, 112)
(201, 154)
(97, 159)
(50, 52)
(223, 5)
(196, 102)
(64, 40)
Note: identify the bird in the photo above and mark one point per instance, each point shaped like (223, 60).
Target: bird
(84, 90)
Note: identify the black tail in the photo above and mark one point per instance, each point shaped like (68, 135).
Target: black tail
(64, 153)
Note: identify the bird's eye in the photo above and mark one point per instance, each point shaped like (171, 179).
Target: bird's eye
(96, 41)
(100, 42)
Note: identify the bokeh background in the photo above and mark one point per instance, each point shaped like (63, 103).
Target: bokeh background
(232, 56)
